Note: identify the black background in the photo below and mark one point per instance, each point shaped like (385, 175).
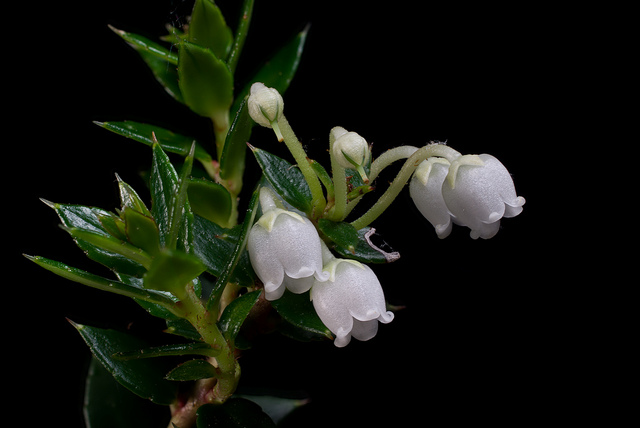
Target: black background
(482, 337)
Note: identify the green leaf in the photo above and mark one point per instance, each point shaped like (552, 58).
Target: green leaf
(168, 140)
(299, 312)
(286, 179)
(110, 244)
(242, 31)
(141, 43)
(192, 370)
(341, 233)
(234, 413)
(197, 348)
(210, 200)
(130, 199)
(144, 378)
(141, 231)
(232, 161)
(278, 71)
(107, 404)
(208, 29)
(235, 314)
(100, 283)
(171, 271)
(164, 187)
(205, 81)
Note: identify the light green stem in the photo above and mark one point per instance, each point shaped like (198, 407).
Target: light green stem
(300, 156)
(414, 159)
(339, 210)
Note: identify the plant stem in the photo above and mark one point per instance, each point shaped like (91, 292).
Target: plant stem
(414, 159)
(300, 156)
(339, 210)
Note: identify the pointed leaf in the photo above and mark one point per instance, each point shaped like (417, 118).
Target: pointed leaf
(242, 30)
(299, 312)
(286, 179)
(205, 81)
(168, 140)
(235, 314)
(141, 43)
(197, 348)
(208, 29)
(164, 187)
(144, 378)
(232, 162)
(130, 199)
(141, 231)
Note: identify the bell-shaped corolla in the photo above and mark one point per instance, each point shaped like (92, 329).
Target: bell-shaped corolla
(284, 249)
(351, 302)
(426, 191)
(478, 192)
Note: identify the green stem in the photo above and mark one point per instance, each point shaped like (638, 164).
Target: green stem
(339, 210)
(300, 156)
(403, 176)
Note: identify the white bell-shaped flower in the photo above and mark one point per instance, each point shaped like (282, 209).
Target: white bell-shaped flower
(351, 302)
(284, 249)
(426, 191)
(478, 192)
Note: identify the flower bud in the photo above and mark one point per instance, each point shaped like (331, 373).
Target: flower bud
(426, 191)
(350, 150)
(478, 192)
(265, 104)
(284, 249)
(351, 302)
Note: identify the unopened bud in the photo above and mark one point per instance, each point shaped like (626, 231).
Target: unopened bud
(265, 106)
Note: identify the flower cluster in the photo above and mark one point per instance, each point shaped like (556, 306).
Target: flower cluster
(286, 252)
(473, 190)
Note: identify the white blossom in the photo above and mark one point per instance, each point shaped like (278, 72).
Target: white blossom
(284, 249)
(426, 191)
(265, 104)
(351, 302)
(479, 194)
(349, 149)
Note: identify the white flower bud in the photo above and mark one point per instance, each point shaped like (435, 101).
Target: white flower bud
(349, 149)
(265, 104)
(351, 302)
(478, 192)
(284, 249)
(426, 191)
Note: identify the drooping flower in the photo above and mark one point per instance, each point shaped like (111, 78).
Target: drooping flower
(351, 302)
(284, 249)
(426, 191)
(479, 191)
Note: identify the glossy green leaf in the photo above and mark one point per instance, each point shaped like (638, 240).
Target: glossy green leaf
(113, 224)
(171, 271)
(238, 251)
(299, 312)
(130, 199)
(234, 413)
(232, 161)
(341, 233)
(168, 140)
(144, 378)
(286, 179)
(278, 71)
(242, 30)
(112, 245)
(107, 404)
(100, 283)
(192, 370)
(235, 314)
(166, 74)
(210, 200)
(142, 43)
(164, 187)
(89, 219)
(205, 81)
(141, 231)
(197, 348)
(208, 29)
(182, 327)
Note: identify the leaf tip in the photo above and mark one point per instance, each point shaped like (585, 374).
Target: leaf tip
(49, 203)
